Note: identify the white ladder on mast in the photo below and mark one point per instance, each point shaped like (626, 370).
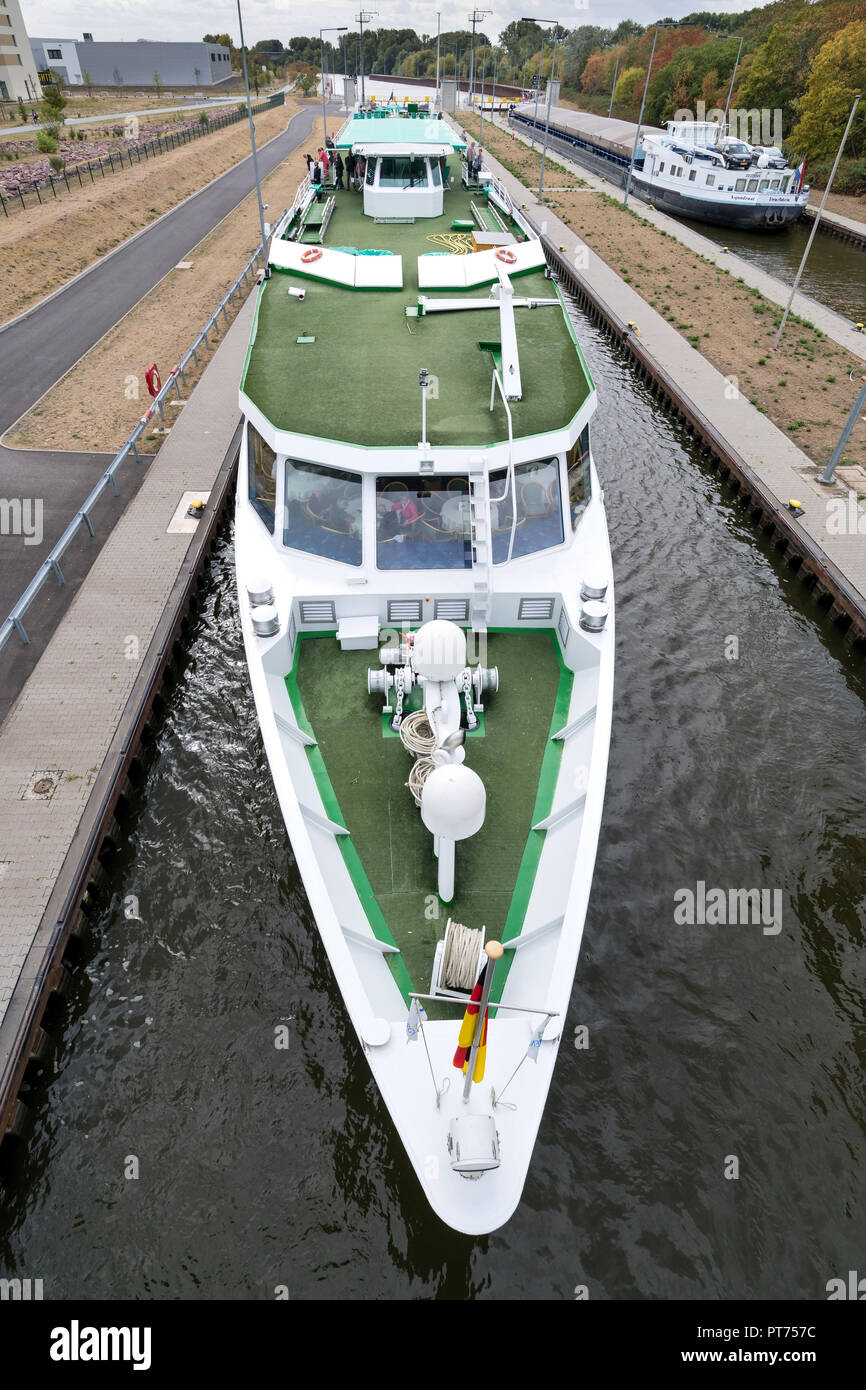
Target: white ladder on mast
(482, 546)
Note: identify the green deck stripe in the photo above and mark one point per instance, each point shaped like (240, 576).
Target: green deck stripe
(350, 855)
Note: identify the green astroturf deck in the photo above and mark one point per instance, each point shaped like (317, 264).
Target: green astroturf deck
(358, 382)
(367, 773)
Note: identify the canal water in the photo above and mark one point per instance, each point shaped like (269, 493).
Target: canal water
(835, 272)
(709, 1142)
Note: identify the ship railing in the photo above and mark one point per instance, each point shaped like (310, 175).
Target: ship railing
(51, 564)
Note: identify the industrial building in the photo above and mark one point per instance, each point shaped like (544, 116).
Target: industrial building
(133, 64)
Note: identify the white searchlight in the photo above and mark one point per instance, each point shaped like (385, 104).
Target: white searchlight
(453, 803)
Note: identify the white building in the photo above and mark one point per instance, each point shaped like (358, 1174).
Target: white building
(61, 56)
(18, 79)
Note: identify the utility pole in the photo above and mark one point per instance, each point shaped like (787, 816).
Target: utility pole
(253, 143)
(474, 19)
(438, 30)
(815, 223)
(613, 87)
(333, 30)
(361, 19)
(639, 119)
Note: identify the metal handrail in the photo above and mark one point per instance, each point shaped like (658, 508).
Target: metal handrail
(51, 563)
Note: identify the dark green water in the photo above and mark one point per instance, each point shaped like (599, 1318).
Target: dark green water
(835, 272)
(260, 1167)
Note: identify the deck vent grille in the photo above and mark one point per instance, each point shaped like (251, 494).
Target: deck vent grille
(293, 632)
(563, 629)
(455, 610)
(404, 610)
(317, 611)
(537, 610)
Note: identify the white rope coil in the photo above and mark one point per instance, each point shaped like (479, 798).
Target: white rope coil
(416, 733)
(421, 769)
(462, 952)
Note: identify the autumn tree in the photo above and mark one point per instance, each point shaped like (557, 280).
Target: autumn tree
(593, 79)
(835, 79)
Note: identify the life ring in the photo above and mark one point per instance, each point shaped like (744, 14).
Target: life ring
(503, 254)
(312, 253)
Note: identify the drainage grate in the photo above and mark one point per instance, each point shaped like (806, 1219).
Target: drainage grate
(317, 611)
(455, 610)
(538, 610)
(404, 610)
(564, 629)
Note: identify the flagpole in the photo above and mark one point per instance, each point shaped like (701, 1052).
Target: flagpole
(494, 950)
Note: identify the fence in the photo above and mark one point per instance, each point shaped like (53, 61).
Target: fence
(51, 563)
(13, 200)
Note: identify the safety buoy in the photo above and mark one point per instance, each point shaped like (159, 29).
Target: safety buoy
(503, 254)
(312, 253)
(151, 376)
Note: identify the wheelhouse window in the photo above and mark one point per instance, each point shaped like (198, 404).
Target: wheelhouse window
(577, 462)
(532, 508)
(262, 469)
(423, 523)
(402, 171)
(323, 512)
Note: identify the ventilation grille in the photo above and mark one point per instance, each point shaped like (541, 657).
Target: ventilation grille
(563, 629)
(293, 632)
(404, 610)
(455, 610)
(317, 610)
(535, 610)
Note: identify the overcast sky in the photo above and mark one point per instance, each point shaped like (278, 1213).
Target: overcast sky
(267, 19)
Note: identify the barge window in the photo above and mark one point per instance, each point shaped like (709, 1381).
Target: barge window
(711, 179)
(423, 523)
(692, 175)
(579, 486)
(402, 171)
(740, 185)
(751, 186)
(765, 184)
(322, 513)
(538, 512)
(262, 466)
(774, 183)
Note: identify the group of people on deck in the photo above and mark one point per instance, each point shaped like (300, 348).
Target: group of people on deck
(329, 161)
(474, 160)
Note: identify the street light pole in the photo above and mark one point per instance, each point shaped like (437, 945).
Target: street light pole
(253, 143)
(731, 88)
(475, 18)
(438, 30)
(613, 88)
(555, 22)
(639, 119)
(340, 29)
(361, 19)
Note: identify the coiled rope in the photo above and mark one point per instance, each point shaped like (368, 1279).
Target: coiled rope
(416, 733)
(421, 769)
(462, 952)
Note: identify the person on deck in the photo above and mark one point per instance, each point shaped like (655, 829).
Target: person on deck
(338, 170)
(350, 169)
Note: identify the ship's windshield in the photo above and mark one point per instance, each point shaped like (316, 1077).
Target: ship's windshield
(423, 523)
(534, 503)
(402, 171)
(322, 511)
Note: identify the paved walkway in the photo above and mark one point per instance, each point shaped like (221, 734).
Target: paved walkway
(62, 724)
(194, 104)
(840, 329)
(783, 468)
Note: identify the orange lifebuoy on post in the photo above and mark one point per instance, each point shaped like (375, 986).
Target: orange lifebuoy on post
(151, 376)
(503, 254)
(312, 253)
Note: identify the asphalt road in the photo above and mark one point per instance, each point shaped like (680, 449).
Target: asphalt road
(38, 348)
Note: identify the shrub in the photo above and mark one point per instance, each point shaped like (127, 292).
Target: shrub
(46, 142)
(57, 162)
(203, 120)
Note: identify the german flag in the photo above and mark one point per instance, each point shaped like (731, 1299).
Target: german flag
(467, 1027)
(481, 1054)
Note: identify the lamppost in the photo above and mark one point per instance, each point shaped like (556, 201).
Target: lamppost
(253, 144)
(474, 19)
(334, 29)
(613, 87)
(640, 117)
(364, 18)
(438, 30)
(555, 22)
